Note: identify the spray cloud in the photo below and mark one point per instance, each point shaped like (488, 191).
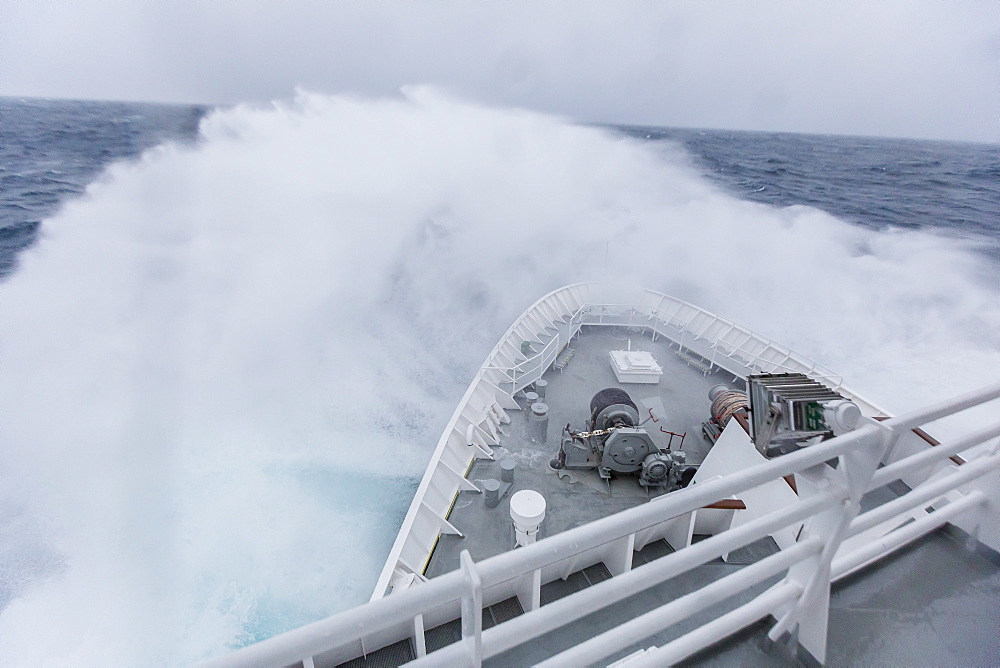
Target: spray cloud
(223, 369)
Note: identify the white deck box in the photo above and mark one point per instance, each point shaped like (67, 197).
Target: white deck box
(635, 366)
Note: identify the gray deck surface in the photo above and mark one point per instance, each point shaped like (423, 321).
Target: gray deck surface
(680, 403)
(935, 602)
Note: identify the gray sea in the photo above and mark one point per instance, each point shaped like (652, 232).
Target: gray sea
(230, 338)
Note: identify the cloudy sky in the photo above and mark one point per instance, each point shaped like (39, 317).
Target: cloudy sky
(918, 68)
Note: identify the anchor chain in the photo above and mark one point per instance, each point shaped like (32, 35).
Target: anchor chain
(597, 432)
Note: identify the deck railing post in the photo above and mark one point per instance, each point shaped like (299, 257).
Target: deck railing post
(419, 639)
(829, 497)
(472, 610)
(529, 590)
(619, 558)
(805, 620)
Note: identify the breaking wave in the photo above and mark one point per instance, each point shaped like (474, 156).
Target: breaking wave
(224, 367)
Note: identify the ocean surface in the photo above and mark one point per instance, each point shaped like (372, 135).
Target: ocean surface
(230, 338)
(50, 150)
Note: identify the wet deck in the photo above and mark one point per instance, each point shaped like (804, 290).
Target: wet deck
(935, 602)
(680, 403)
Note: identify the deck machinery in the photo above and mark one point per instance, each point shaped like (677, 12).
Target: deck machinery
(783, 412)
(617, 443)
(789, 411)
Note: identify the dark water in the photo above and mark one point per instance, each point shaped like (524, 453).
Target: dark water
(151, 339)
(951, 188)
(51, 149)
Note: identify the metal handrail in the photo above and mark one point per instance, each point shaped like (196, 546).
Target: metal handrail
(805, 365)
(750, 361)
(397, 609)
(565, 309)
(482, 380)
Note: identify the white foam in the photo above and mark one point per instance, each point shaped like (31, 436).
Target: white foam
(224, 368)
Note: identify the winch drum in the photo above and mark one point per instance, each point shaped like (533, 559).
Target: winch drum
(612, 407)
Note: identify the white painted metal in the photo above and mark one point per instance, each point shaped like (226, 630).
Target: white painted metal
(874, 550)
(505, 373)
(723, 626)
(572, 608)
(931, 457)
(968, 496)
(527, 510)
(795, 601)
(732, 452)
(640, 628)
(472, 610)
(633, 366)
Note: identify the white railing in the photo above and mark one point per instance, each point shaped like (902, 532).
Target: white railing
(474, 429)
(835, 540)
(550, 324)
(720, 341)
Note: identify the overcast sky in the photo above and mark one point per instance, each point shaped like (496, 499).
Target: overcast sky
(911, 69)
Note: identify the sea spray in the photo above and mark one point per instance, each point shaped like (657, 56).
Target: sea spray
(223, 369)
